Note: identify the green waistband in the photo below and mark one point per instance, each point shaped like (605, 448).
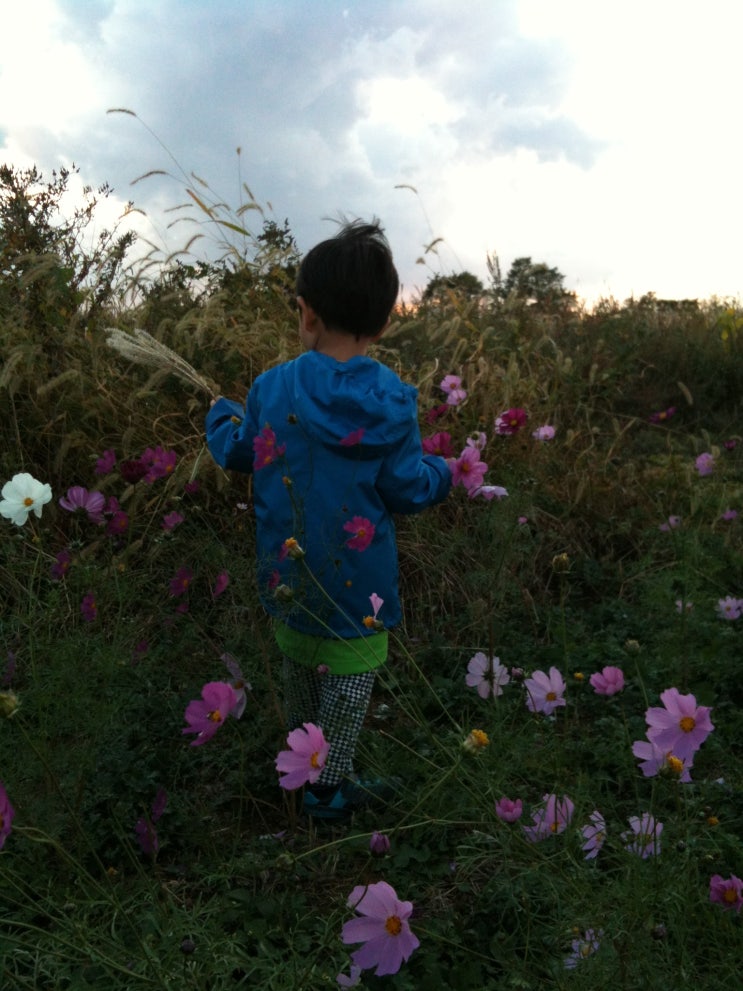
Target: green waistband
(341, 656)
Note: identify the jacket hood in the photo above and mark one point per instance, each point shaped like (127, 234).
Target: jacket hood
(358, 405)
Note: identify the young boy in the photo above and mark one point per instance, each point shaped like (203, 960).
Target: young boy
(333, 443)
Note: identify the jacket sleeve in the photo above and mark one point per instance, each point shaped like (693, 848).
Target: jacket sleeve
(229, 435)
(410, 481)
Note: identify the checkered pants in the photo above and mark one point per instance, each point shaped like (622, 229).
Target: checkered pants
(335, 702)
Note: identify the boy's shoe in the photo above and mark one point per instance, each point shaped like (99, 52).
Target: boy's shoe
(341, 802)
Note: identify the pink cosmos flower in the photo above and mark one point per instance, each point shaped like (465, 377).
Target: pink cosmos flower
(89, 608)
(172, 520)
(730, 608)
(383, 928)
(439, 444)
(223, 580)
(663, 415)
(106, 463)
(682, 606)
(158, 463)
(672, 523)
(92, 503)
(705, 463)
(554, 817)
(488, 492)
(266, 449)
(350, 980)
(379, 844)
(681, 726)
(303, 763)
(544, 433)
(362, 530)
(509, 811)
(726, 891)
(594, 834)
(452, 386)
(7, 813)
(545, 693)
(180, 583)
(204, 716)
(643, 835)
(355, 437)
(478, 440)
(582, 948)
(655, 760)
(118, 523)
(511, 421)
(609, 681)
(240, 685)
(371, 622)
(729, 515)
(467, 470)
(61, 566)
(487, 675)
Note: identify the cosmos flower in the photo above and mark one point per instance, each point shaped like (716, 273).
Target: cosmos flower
(304, 761)
(452, 386)
(544, 433)
(487, 675)
(467, 470)
(545, 693)
(22, 495)
(221, 583)
(510, 421)
(265, 448)
(594, 834)
(663, 415)
(362, 530)
(106, 463)
(92, 503)
(181, 582)
(730, 608)
(655, 760)
(726, 891)
(705, 463)
(379, 844)
(643, 835)
(554, 817)
(509, 811)
(382, 926)
(681, 726)
(672, 523)
(475, 741)
(371, 622)
(488, 492)
(61, 566)
(582, 948)
(171, 520)
(439, 443)
(609, 681)
(240, 685)
(354, 438)
(89, 608)
(158, 463)
(204, 716)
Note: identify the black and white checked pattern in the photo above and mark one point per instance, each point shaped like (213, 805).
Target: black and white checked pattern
(337, 703)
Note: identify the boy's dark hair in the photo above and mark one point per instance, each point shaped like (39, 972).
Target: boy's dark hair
(350, 280)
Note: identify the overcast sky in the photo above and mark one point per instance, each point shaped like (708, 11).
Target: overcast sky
(601, 138)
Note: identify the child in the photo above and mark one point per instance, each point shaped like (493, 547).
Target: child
(333, 443)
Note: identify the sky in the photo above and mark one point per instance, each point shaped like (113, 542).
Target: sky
(601, 138)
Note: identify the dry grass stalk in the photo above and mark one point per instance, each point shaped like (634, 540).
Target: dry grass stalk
(142, 348)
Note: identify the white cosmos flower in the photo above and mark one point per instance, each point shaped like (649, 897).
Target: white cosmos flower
(22, 495)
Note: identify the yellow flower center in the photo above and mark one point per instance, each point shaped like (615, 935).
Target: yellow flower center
(28, 501)
(361, 532)
(551, 696)
(393, 925)
(675, 764)
(368, 622)
(729, 896)
(315, 760)
(687, 724)
(215, 716)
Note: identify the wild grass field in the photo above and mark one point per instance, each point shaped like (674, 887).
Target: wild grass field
(562, 702)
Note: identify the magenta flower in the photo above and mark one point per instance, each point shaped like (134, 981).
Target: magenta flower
(554, 817)
(132, 471)
(705, 463)
(452, 386)
(7, 813)
(663, 415)
(729, 515)
(467, 470)
(544, 433)
(643, 835)
(594, 834)
(730, 608)
(172, 520)
(61, 566)
(265, 448)
(655, 760)
(439, 444)
(434, 414)
(106, 463)
(90, 502)
(379, 844)
(582, 948)
(545, 693)
(726, 891)
(223, 580)
(509, 811)
(181, 582)
(204, 716)
(240, 685)
(355, 437)
(363, 533)
(383, 928)
(511, 421)
(158, 463)
(609, 681)
(89, 608)
(672, 523)
(487, 675)
(681, 726)
(118, 523)
(303, 763)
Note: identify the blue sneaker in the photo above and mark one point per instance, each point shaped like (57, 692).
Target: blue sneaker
(341, 802)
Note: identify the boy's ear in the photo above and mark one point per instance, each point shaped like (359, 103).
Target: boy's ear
(379, 334)
(307, 316)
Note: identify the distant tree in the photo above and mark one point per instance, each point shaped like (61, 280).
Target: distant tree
(442, 288)
(533, 282)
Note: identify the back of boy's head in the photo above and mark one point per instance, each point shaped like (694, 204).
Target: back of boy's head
(350, 280)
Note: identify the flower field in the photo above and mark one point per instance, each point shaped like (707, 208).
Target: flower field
(561, 707)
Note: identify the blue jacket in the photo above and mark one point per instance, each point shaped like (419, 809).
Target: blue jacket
(333, 447)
